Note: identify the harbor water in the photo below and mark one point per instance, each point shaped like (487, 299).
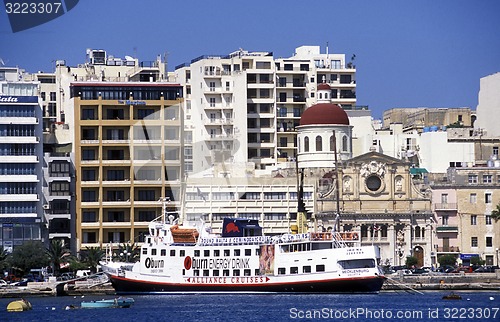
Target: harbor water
(386, 306)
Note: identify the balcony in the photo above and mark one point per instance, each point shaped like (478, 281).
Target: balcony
(449, 249)
(447, 229)
(445, 207)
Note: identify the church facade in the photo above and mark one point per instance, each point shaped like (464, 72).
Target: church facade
(372, 195)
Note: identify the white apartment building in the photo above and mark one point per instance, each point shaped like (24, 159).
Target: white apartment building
(21, 152)
(246, 106)
(488, 105)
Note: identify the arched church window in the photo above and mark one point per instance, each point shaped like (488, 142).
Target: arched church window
(319, 143)
(306, 144)
(344, 143)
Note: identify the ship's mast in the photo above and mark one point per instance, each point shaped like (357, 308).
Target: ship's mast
(337, 192)
(301, 207)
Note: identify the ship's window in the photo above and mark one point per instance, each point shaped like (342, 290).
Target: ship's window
(216, 252)
(172, 252)
(196, 272)
(196, 253)
(306, 269)
(236, 272)
(163, 252)
(144, 251)
(247, 272)
(205, 272)
(358, 263)
(248, 252)
(206, 253)
(236, 252)
(294, 270)
(153, 251)
(225, 272)
(182, 253)
(281, 270)
(320, 268)
(226, 252)
(215, 272)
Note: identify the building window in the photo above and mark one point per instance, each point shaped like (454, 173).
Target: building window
(444, 220)
(344, 144)
(473, 198)
(473, 242)
(495, 150)
(489, 241)
(306, 144)
(89, 216)
(488, 219)
(473, 220)
(487, 197)
(472, 178)
(487, 178)
(319, 143)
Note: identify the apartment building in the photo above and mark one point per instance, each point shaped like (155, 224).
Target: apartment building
(21, 152)
(245, 106)
(463, 206)
(128, 157)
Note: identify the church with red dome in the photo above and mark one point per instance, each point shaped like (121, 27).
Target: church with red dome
(323, 128)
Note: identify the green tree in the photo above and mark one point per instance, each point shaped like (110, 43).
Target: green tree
(4, 257)
(57, 254)
(495, 214)
(127, 253)
(447, 260)
(476, 260)
(31, 254)
(411, 261)
(92, 256)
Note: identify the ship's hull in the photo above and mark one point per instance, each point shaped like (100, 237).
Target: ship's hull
(371, 284)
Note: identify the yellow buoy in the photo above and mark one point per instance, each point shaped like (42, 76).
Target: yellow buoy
(19, 306)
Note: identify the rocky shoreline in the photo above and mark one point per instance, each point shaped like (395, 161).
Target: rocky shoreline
(437, 282)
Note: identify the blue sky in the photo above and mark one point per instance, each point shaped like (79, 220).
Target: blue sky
(408, 53)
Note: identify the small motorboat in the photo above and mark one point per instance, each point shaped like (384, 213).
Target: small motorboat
(452, 296)
(19, 306)
(119, 302)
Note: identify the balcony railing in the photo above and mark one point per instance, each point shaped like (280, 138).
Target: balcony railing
(449, 249)
(448, 229)
(445, 206)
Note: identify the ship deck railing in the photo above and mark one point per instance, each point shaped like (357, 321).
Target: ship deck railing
(338, 239)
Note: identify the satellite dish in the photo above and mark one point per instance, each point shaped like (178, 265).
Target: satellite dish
(129, 58)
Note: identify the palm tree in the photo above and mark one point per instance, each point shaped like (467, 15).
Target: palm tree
(57, 252)
(92, 256)
(3, 258)
(128, 253)
(495, 214)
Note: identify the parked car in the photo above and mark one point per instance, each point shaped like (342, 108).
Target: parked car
(3, 283)
(465, 269)
(419, 271)
(486, 269)
(445, 269)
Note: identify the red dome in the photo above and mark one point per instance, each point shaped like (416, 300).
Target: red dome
(324, 86)
(324, 113)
